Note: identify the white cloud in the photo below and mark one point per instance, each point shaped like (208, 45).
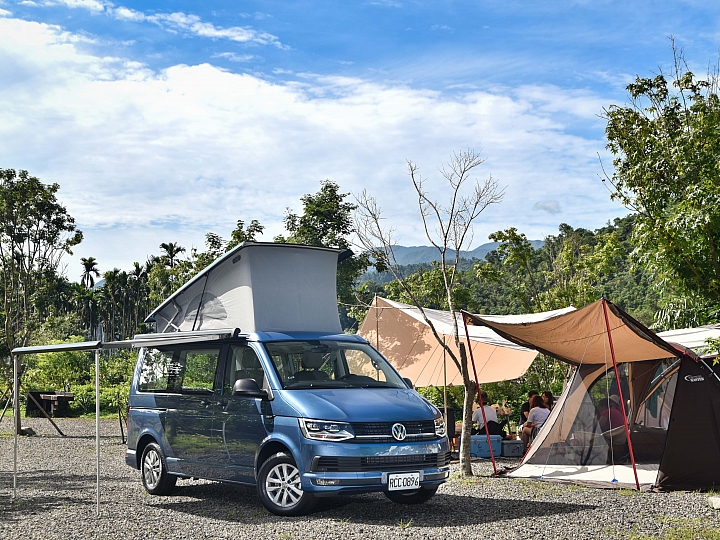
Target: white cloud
(127, 14)
(234, 57)
(551, 207)
(91, 5)
(5, 13)
(193, 24)
(144, 156)
(172, 22)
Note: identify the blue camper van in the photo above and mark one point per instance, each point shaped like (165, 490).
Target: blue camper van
(299, 413)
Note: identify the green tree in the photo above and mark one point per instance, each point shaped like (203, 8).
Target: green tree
(172, 250)
(90, 269)
(666, 143)
(35, 232)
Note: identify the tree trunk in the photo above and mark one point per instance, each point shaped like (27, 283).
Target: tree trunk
(465, 464)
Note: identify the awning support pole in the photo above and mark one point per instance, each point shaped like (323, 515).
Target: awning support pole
(620, 394)
(480, 401)
(16, 412)
(97, 426)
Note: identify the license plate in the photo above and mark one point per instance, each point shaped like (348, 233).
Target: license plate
(403, 481)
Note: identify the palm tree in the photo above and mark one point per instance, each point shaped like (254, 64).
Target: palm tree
(172, 250)
(89, 269)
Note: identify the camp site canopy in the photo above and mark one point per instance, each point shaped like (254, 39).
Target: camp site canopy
(671, 399)
(580, 337)
(259, 286)
(399, 331)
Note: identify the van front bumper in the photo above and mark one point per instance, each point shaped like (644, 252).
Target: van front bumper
(356, 468)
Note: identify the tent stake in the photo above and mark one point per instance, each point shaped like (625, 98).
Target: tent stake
(620, 394)
(480, 401)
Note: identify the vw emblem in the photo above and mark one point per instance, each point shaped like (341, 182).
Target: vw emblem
(399, 432)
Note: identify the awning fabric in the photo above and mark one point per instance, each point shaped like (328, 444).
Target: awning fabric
(401, 334)
(580, 337)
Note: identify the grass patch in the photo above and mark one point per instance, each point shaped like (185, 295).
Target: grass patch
(405, 524)
(684, 529)
(626, 492)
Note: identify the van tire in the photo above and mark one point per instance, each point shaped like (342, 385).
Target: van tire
(155, 477)
(279, 487)
(416, 496)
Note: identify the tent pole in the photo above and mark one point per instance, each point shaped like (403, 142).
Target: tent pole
(480, 401)
(377, 325)
(620, 394)
(16, 412)
(97, 427)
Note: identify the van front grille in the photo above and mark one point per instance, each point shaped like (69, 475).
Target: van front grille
(380, 463)
(417, 430)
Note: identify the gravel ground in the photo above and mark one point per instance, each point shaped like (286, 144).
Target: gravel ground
(56, 499)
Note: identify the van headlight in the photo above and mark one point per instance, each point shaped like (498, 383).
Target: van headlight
(325, 430)
(440, 427)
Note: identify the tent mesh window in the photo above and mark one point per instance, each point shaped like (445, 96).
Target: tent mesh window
(591, 430)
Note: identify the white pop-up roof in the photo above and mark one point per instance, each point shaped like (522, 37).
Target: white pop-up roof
(259, 287)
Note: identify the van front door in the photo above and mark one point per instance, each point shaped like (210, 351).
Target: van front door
(190, 430)
(239, 426)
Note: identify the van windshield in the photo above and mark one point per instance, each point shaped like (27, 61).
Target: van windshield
(331, 364)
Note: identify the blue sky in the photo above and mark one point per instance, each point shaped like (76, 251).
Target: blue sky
(162, 121)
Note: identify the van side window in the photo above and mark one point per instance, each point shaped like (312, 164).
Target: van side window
(243, 363)
(158, 371)
(200, 367)
(179, 370)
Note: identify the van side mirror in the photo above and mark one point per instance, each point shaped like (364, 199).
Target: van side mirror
(248, 388)
(409, 383)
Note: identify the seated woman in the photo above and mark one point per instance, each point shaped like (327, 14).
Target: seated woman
(548, 400)
(536, 418)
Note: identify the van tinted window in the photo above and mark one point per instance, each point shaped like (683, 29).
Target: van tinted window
(331, 364)
(172, 369)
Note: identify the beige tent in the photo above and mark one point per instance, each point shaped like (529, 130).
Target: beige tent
(667, 429)
(401, 334)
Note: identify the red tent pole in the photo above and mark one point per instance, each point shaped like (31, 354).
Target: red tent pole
(480, 401)
(620, 394)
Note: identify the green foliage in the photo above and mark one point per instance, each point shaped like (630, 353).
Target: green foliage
(35, 232)
(666, 143)
(57, 370)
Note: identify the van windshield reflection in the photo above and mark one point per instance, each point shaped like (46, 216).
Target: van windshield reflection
(330, 364)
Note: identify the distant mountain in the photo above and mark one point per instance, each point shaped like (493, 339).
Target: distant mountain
(425, 254)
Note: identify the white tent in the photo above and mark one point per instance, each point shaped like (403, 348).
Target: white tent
(399, 331)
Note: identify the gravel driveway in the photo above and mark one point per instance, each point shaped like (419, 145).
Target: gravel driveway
(57, 500)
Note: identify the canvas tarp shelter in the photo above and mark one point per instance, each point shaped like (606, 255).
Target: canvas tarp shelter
(670, 395)
(401, 334)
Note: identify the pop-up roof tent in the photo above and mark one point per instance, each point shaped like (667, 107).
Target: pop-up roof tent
(402, 335)
(670, 397)
(259, 287)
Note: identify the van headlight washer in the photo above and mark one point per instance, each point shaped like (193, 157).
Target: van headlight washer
(325, 430)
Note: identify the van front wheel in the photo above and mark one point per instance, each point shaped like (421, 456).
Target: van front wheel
(416, 496)
(280, 488)
(155, 477)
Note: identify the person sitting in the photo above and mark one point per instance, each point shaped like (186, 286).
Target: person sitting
(610, 416)
(548, 400)
(525, 408)
(490, 415)
(536, 418)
